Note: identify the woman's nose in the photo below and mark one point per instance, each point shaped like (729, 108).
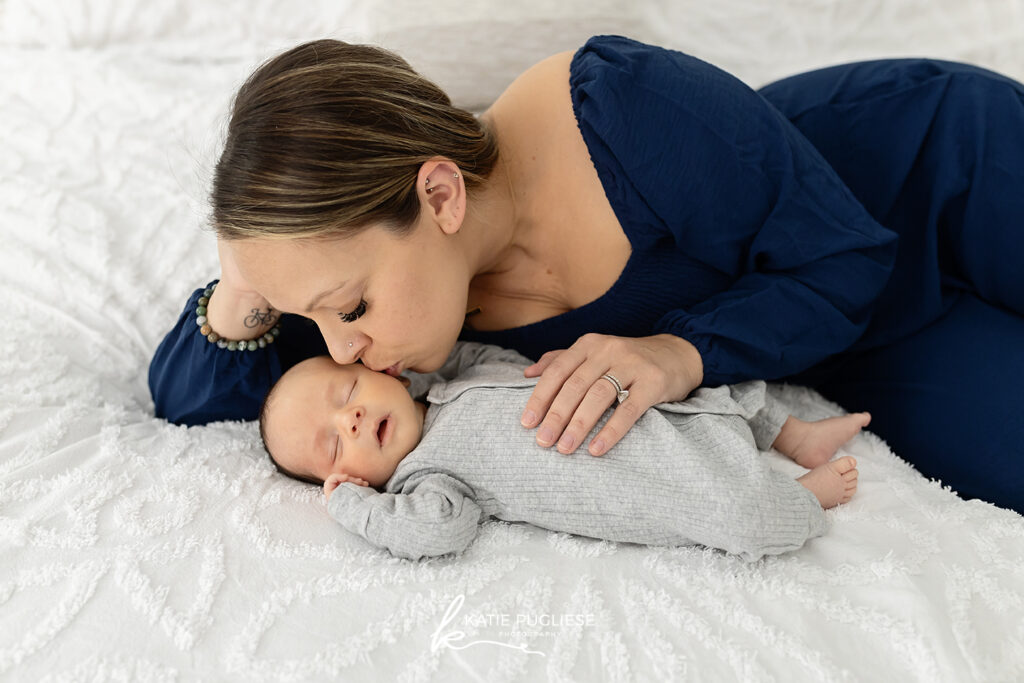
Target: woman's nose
(345, 349)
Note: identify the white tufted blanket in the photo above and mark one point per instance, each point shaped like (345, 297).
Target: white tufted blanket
(133, 550)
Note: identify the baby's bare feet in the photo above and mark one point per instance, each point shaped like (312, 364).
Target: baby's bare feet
(832, 483)
(820, 440)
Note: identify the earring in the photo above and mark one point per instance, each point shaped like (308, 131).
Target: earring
(455, 175)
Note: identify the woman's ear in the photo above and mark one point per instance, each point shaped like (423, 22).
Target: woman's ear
(442, 192)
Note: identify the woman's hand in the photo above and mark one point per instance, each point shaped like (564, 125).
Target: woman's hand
(336, 480)
(571, 395)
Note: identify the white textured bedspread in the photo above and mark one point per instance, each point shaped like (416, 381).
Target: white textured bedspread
(133, 550)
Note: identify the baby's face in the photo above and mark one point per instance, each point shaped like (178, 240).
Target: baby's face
(324, 419)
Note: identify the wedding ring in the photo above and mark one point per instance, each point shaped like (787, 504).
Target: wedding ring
(620, 393)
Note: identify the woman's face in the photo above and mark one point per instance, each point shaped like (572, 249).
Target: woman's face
(396, 303)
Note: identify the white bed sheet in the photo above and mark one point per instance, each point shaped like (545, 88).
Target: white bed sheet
(131, 549)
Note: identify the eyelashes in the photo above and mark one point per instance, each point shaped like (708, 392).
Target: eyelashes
(354, 315)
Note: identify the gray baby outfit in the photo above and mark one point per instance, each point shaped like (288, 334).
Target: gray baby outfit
(688, 472)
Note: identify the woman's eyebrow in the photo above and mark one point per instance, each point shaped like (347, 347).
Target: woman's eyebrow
(321, 295)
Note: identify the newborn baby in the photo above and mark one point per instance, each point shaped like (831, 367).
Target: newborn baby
(418, 478)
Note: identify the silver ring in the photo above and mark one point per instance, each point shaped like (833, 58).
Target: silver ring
(620, 393)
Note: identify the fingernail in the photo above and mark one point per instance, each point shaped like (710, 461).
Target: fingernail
(567, 443)
(597, 447)
(529, 418)
(546, 436)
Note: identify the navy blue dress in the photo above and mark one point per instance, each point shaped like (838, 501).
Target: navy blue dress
(852, 229)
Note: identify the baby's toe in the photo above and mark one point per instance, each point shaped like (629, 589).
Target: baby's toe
(844, 464)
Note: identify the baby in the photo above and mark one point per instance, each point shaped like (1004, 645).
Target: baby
(417, 479)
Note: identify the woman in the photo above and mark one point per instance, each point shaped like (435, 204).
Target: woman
(629, 211)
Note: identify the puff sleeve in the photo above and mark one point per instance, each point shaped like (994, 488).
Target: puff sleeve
(727, 179)
(194, 382)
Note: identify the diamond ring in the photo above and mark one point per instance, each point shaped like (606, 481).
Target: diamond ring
(620, 393)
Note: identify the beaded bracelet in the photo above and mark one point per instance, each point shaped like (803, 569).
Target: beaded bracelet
(230, 345)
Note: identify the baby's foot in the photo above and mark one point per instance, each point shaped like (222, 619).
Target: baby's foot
(833, 482)
(822, 439)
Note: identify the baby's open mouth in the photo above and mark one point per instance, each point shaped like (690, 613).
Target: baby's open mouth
(381, 430)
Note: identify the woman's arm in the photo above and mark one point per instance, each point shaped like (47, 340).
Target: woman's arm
(194, 381)
(236, 310)
(727, 180)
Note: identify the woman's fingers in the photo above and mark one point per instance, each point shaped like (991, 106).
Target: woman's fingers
(557, 395)
(571, 395)
(551, 381)
(621, 421)
(594, 404)
(541, 365)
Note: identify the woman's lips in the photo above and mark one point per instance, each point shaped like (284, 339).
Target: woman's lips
(394, 370)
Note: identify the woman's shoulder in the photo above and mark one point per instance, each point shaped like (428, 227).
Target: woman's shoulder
(535, 91)
(546, 81)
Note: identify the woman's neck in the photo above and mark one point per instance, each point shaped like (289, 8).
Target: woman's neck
(494, 226)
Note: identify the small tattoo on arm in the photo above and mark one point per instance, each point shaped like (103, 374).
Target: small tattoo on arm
(260, 318)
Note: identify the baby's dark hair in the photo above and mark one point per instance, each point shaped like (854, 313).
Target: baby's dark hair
(263, 436)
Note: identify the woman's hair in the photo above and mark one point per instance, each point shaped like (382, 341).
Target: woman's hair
(328, 138)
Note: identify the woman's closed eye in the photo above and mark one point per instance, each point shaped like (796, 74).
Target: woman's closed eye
(355, 314)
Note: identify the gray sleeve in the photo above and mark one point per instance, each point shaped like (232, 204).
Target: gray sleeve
(435, 518)
(767, 422)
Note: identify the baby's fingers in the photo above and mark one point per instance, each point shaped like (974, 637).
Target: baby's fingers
(332, 483)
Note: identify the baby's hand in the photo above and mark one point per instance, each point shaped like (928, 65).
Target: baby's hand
(335, 479)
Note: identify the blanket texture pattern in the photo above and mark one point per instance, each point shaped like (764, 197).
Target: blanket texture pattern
(131, 549)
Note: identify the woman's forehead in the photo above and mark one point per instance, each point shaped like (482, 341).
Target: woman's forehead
(258, 256)
(291, 274)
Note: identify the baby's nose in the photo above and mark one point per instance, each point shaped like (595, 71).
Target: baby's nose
(354, 420)
(349, 420)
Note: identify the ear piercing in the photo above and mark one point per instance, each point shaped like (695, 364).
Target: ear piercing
(431, 189)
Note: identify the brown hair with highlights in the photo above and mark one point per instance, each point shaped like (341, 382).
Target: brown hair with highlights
(327, 139)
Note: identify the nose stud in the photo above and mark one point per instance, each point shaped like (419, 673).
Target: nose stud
(350, 345)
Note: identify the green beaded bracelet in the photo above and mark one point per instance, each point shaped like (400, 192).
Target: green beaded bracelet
(230, 345)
